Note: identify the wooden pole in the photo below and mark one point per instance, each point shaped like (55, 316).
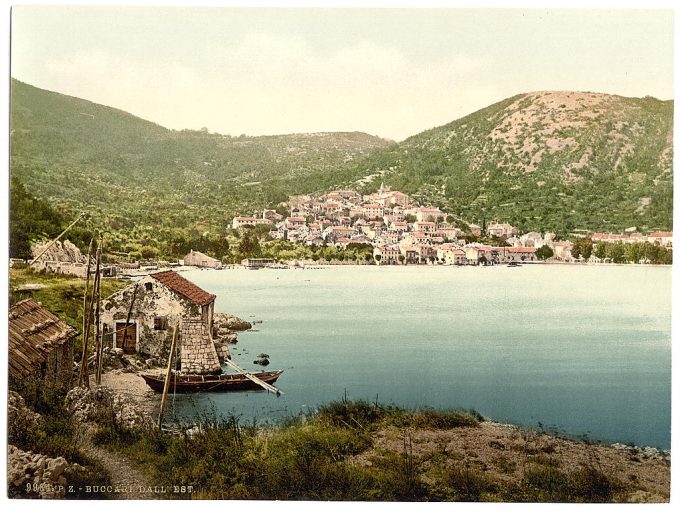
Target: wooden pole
(86, 316)
(95, 297)
(100, 340)
(171, 357)
(90, 315)
(82, 215)
(127, 320)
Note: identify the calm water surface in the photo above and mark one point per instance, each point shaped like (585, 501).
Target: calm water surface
(586, 350)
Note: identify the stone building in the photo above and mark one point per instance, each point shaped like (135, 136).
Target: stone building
(198, 259)
(40, 345)
(162, 300)
(198, 353)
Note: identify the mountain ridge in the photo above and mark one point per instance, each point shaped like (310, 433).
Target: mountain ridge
(544, 160)
(572, 143)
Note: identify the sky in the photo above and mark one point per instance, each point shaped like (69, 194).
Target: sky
(387, 72)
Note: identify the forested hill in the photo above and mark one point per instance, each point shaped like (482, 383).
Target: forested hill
(557, 161)
(133, 175)
(544, 160)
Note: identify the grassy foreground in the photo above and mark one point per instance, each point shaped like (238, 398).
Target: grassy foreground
(338, 454)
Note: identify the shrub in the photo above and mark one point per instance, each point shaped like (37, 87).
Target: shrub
(468, 484)
(445, 419)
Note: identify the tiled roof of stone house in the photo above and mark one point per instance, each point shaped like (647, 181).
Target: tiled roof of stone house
(184, 287)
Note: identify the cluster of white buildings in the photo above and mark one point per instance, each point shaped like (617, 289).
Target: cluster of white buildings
(400, 232)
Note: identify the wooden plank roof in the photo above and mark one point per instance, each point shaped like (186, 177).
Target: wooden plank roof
(34, 332)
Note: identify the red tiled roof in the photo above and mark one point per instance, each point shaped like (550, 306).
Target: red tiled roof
(519, 249)
(660, 234)
(184, 287)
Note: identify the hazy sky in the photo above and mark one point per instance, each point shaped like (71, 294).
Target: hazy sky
(391, 72)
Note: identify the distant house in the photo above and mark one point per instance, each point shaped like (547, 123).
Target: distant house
(162, 301)
(425, 214)
(295, 222)
(424, 226)
(40, 345)
(198, 259)
(475, 229)
(389, 255)
(371, 211)
(240, 222)
(410, 253)
(342, 242)
(665, 239)
(501, 230)
(450, 255)
(474, 254)
(562, 251)
(255, 263)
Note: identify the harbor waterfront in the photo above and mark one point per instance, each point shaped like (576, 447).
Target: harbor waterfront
(585, 350)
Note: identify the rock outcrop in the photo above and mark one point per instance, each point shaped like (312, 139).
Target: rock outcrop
(46, 476)
(20, 418)
(65, 252)
(230, 322)
(101, 404)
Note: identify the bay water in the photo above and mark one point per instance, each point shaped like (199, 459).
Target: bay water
(584, 350)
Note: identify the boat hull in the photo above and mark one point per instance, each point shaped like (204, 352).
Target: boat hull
(209, 383)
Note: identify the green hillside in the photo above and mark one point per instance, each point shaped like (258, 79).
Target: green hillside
(146, 183)
(546, 160)
(543, 161)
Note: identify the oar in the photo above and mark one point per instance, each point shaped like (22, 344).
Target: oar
(252, 377)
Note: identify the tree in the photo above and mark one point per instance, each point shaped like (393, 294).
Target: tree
(544, 252)
(249, 246)
(148, 253)
(410, 218)
(402, 258)
(378, 257)
(600, 250)
(583, 247)
(30, 219)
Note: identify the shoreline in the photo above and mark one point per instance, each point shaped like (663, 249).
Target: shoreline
(132, 386)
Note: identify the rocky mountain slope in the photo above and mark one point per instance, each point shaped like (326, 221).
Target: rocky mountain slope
(552, 160)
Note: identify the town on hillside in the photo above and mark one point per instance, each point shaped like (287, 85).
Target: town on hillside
(404, 233)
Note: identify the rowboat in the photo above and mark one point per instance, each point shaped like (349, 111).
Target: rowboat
(208, 383)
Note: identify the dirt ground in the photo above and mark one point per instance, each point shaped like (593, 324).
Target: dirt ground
(132, 386)
(503, 452)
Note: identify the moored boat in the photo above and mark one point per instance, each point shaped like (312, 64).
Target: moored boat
(191, 383)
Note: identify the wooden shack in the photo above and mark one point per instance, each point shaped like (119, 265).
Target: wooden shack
(40, 345)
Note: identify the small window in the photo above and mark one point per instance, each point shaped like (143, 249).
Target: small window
(148, 286)
(160, 323)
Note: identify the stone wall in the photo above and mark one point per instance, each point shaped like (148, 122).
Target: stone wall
(198, 352)
(158, 302)
(47, 476)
